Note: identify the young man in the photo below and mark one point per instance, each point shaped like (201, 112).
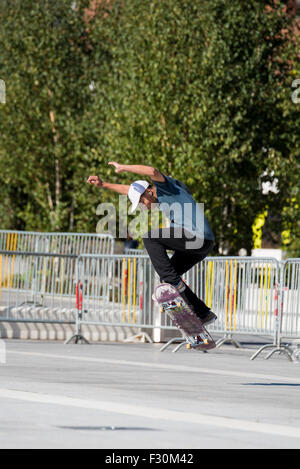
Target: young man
(189, 235)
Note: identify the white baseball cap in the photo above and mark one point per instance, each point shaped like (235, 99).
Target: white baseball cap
(136, 189)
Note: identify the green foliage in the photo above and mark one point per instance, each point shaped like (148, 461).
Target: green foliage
(197, 89)
(45, 62)
(200, 89)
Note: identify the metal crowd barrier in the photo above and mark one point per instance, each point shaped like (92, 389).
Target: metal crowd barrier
(290, 327)
(120, 296)
(289, 310)
(252, 296)
(37, 288)
(135, 252)
(62, 243)
(37, 273)
(243, 292)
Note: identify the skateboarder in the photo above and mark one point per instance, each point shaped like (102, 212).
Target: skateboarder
(189, 235)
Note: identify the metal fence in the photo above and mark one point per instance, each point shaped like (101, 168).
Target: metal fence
(61, 243)
(290, 301)
(243, 292)
(115, 290)
(290, 304)
(37, 287)
(289, 310)
(38, 274)
(252, 296)
(135, 252)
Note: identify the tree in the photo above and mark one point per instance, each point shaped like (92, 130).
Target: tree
(196, 88)
(200, 89)
(45, 60)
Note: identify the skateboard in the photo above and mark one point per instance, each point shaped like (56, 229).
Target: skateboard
(191, 327)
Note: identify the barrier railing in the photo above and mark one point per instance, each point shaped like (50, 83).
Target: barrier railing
(252, 296)
(37, 287)
(289, 310)
(37, 273)
(135, 252)
(243, 292)
(62, 243)
(290, 325)
(120, 296)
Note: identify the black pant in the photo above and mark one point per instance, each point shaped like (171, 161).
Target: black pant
(183, 259)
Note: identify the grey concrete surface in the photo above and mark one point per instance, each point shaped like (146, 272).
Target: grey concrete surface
(125, 396)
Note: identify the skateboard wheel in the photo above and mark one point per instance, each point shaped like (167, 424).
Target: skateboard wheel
(188, 346)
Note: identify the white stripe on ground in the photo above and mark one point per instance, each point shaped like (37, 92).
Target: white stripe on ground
(154, 413)
(162, 366)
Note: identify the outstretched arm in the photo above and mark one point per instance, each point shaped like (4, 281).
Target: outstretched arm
(119, 188)
(153, 173)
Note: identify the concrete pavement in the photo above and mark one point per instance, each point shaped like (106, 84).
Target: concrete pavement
(114, 395)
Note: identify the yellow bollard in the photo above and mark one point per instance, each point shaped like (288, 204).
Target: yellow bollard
(226, 295)
(268, 292)
(14, 248)
(124, 293)
(211, 283)
(0, 275)
(134, 287)
(61, 276)
(230, 296)
(264, 297)
(260, 296)
(129, 289)
(5, 280)
(206, 284)
(234, 304)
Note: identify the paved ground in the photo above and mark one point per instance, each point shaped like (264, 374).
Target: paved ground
(133, 396)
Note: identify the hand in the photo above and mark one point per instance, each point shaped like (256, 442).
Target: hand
(118, 167)
(95, 180)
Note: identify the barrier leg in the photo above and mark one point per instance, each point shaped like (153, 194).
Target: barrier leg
(171, 341)
(228, 339)
(180, 345)
(142, 335)
(261, 349)
(282, 349)
(78, 338)
(296, 354)
(276, 348)
(185, 343)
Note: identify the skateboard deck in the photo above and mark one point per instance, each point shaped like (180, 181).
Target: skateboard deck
(191, 327)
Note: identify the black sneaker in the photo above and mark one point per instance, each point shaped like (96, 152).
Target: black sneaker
(209, 318)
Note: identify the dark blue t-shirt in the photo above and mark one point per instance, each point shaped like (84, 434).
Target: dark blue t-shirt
(178, 204)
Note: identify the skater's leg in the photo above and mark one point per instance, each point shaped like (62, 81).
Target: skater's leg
(182, 262)
(157, 250)
(170, 270)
